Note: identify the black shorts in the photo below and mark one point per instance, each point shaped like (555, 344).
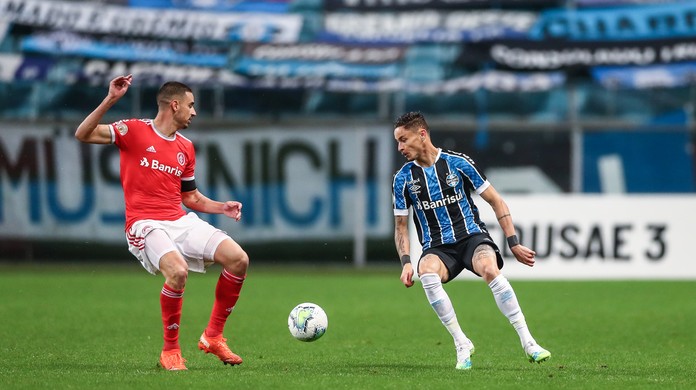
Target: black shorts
(459, 255)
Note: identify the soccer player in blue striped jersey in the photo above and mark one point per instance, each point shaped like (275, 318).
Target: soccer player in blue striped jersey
(437, 185)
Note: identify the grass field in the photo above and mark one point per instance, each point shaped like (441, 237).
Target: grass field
(92, 326)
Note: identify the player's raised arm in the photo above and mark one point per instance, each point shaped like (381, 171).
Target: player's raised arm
(403, 248)
(90, 131)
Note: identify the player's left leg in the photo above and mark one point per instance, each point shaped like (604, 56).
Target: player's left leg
(485, 264)
(235, 263)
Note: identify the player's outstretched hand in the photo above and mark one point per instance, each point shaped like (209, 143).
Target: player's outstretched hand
(407, 275)
(119, 86)
(523, 254)
(233, 210)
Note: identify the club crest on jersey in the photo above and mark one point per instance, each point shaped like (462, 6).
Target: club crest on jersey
(122, 128)
(181, 159)
(452, 180)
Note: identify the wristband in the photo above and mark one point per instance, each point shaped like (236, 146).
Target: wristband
(513, 241)
(405, 259)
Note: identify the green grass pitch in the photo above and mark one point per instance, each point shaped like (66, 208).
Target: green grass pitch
(94, 326)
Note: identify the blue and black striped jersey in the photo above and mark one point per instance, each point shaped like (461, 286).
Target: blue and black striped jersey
(440, 195)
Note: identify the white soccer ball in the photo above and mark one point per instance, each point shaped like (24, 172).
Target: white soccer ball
(307, 322)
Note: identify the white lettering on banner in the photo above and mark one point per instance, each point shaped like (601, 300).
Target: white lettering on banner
(596, 236)
(143, 22)
(294, 185)
(427, 25)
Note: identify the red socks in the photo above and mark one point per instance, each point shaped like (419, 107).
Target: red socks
(171, 301)
(226, 295)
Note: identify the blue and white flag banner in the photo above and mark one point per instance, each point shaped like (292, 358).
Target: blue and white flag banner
(399, 5)
(124, 49)
(95, 18)
(608, 3)
(275, 6)
(556, 55)
(320, 60)
(426, 26)
(655, 21)
(644, 77)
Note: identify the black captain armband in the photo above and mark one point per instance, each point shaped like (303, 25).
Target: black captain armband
(188, 185)
(405, 259)
(513, 241)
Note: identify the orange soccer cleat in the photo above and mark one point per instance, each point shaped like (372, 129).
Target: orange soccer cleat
(172, 360)
(218, 347)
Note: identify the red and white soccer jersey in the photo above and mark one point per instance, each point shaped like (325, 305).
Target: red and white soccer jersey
(152, 168)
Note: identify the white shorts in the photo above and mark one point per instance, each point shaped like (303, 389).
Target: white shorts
(189, 235)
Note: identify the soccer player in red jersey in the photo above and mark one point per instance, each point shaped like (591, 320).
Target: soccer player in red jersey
(157, 168)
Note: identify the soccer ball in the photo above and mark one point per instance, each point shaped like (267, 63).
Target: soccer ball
(307, 322)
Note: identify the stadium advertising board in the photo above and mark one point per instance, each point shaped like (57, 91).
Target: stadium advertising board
(655, 21)
(94, 18)
(598, 237)
(426, 26)
(294, 185)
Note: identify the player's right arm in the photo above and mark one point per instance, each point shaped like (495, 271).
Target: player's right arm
(403, 248)
(90, 131)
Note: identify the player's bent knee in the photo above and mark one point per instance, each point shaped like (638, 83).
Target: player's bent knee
(232, 257)
(429, 264)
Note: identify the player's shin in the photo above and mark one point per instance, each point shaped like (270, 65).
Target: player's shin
(441, 303)
(226, 296)
(507, 302)
(171, 301)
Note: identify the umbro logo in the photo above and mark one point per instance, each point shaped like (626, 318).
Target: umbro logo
(151, 149)
(173, 326)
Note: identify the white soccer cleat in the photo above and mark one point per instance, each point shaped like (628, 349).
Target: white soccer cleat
(464, 353)
(536, 354)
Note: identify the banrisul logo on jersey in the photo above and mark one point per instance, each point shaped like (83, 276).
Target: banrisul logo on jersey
(446, 201)
(158, 166)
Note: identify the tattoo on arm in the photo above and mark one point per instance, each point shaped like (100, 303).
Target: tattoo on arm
(503, 216)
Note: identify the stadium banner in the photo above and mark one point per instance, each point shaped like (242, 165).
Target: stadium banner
(655, 21)
(100, 72)
(294, 184)
(644, 77)
(276, 6)
(604, 3)
(95, 18)
(125, 49)
(597, 237)
(493, 81)
(320, 60)
(425, 26)
(553, 55)
(397, 5)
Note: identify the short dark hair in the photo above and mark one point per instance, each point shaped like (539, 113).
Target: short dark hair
(411, 121)
(171, 90)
